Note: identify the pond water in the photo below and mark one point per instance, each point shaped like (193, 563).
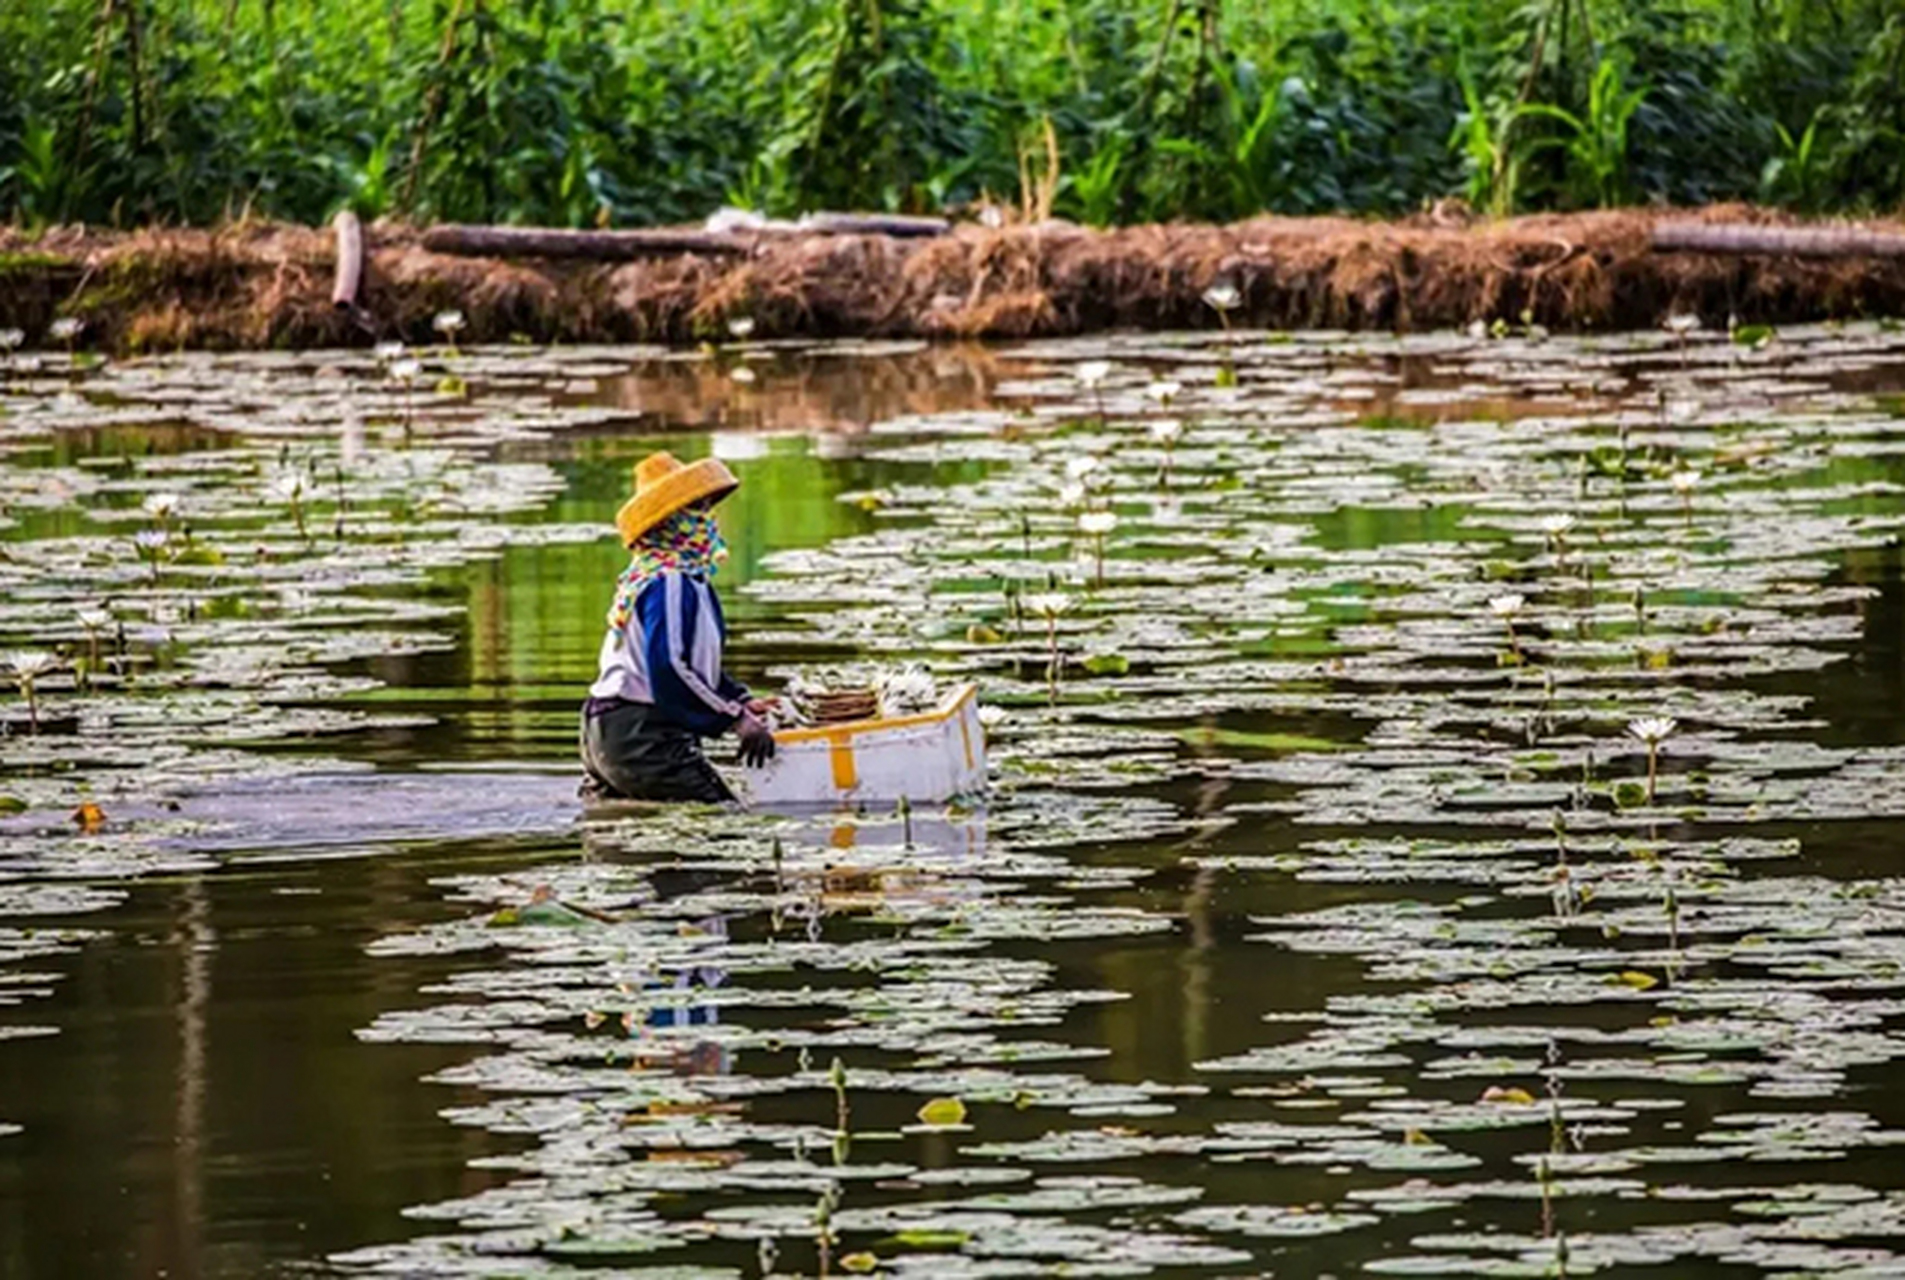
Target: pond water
(1339, 905)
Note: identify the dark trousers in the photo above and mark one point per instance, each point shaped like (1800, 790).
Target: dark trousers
(631, 753)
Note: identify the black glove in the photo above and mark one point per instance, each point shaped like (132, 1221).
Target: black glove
(757, 740)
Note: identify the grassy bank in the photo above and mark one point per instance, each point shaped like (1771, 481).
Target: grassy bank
(624, 112)
(264, 285)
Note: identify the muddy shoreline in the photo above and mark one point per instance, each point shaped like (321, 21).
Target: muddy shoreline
(266, 286)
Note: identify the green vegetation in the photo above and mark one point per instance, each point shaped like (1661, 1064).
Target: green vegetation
(643, 111)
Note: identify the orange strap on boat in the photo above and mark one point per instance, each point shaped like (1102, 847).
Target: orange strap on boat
(840, 753)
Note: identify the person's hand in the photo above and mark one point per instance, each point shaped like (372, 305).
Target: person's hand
(757, 740)
(763, 707)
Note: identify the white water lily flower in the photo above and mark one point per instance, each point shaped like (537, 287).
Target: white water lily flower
(1092, 373)
(1653, 730)
(385, 352)
(66, 328)
(1556, 526)
(151, 539)
(1163, 391)
(1071, 493)
(1081, 466)
(1680, 324)
(11, 338)
(1167, 430)
(741, 326)
(94, 619)
(30, 664)
(743, 375)
(1048, 604)
(1478, 329)
(405, 370)
(1223, 296)
(1507, 606)
(161, 505)
(1097, 522)
(289, 486)
(909, 691)
(447, 322)
(1684, 482)
(992, 717)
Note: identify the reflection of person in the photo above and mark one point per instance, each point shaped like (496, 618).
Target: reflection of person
(661, 688)
(681, 999)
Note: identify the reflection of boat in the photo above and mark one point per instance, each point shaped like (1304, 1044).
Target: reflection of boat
(922, 758)
(891, 862)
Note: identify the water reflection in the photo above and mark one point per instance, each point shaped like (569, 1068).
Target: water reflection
(831, 390)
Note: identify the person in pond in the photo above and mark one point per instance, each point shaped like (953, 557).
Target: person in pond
(661, 688)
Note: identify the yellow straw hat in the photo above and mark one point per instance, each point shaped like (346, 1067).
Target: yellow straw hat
(664, 485)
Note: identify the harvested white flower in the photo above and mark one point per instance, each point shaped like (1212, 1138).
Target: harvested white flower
(909, 691)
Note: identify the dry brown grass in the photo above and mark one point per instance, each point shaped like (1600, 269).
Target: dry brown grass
(257, 285)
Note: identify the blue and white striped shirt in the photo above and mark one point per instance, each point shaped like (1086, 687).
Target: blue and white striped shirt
(668, 655)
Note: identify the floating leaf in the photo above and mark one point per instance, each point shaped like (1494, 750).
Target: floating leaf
(943, 1112)
(1509, 1096)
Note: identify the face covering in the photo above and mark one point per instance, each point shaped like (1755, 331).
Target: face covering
(686, 542)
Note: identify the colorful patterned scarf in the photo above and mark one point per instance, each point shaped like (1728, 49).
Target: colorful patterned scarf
(687, 542)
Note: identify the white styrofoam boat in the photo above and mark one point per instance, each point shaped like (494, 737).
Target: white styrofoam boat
(922, 758)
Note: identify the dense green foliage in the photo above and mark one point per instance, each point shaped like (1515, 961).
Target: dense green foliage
(645, 111)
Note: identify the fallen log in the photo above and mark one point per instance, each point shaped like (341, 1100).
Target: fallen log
(1795, 242)
(606, 246)
(873, 224)
(350, 259)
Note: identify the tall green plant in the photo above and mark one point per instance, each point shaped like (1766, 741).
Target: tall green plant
(1596, 141)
